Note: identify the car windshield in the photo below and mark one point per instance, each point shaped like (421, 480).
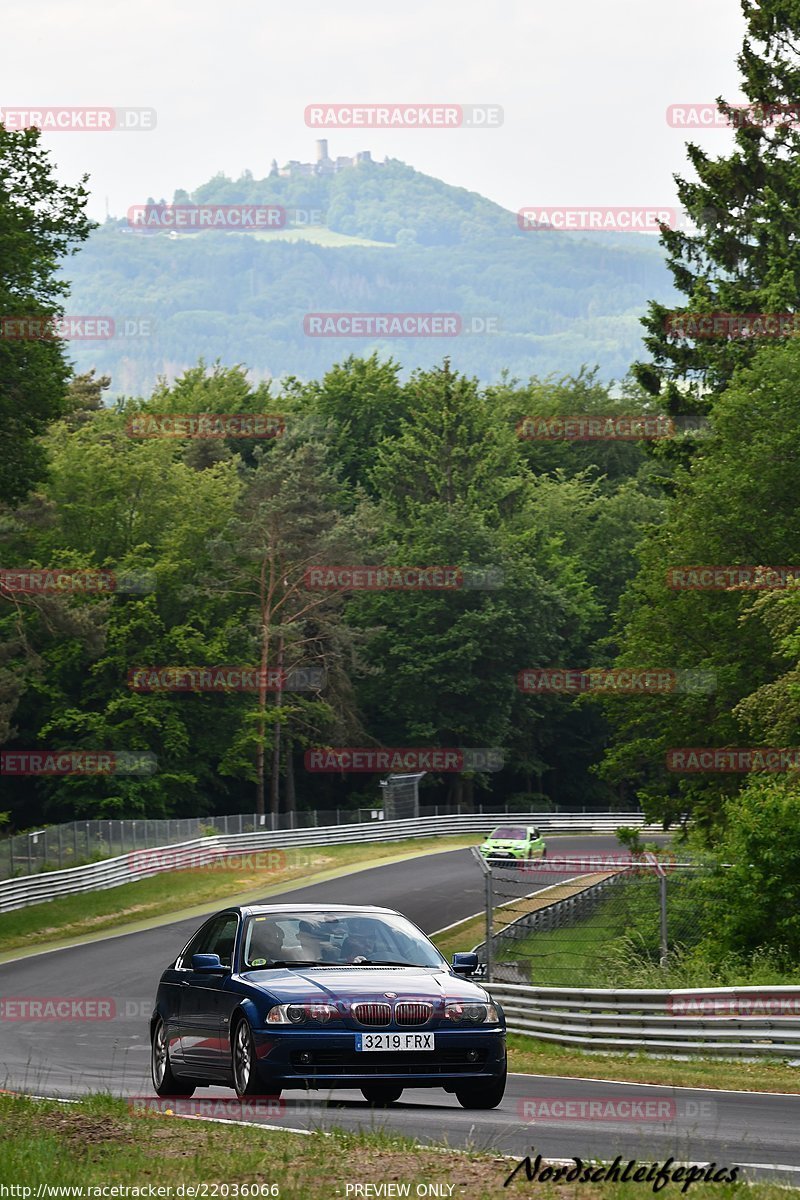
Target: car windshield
(331, 938)
(510, 833)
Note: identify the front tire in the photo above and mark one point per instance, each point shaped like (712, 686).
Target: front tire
(379, 1095)
(482, 1095)
(245, 1076)
(164, 1082)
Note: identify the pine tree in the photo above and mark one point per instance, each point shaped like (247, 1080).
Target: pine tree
(745, 255)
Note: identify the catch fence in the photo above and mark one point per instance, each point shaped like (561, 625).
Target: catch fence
(570, 921)
(55, 847)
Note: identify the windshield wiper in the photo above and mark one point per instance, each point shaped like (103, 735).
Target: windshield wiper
(297, 962)
(384, 962)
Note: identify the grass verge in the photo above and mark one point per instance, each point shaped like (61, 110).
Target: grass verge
(528, 1055)
(99, 1142)
(245, 877)
(470, 933)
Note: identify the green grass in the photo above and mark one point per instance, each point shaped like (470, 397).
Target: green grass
(528, 1055)
(190, 892)
(320, 236)
(99, 1141)
(571, 956)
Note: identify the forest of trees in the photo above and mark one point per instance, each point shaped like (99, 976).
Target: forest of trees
(369, 470)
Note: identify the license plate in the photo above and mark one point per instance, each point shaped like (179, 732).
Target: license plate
(394, 1041)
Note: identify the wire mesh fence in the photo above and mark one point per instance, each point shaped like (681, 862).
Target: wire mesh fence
(401, 796)
(592, 921)
(55, 847)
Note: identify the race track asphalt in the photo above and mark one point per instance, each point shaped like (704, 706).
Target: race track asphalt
(70, 1058)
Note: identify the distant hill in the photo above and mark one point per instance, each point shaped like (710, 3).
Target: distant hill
(388, 239)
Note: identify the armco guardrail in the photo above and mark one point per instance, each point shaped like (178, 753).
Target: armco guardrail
(735, 1021)
(141, 864)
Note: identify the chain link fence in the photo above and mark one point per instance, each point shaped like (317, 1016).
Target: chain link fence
(593, 921)
(55, 847)
(401, 796)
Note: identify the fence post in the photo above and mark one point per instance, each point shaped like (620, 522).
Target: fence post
(489, 924)
(60, 855)
(662, 895)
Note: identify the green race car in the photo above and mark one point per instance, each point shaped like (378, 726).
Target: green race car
(515, 842)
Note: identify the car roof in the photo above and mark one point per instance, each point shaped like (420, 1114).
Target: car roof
(318, 908)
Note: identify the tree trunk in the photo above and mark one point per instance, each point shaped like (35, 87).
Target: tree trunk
(291, 804)
(262, 694)
(275, 782)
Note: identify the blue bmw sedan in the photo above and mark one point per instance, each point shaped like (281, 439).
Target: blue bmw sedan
(271, 997)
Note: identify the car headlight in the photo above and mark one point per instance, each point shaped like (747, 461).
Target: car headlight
(472, 1014)
(298, 1014)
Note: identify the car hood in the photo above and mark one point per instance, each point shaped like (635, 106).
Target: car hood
(326, 983)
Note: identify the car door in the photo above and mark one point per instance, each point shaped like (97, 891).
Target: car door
(204, 1048)
(535, 843)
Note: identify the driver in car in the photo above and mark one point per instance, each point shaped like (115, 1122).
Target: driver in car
(315, 943)
(359, 945)
(267, 945)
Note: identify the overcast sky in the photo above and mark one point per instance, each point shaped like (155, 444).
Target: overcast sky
(584, 87)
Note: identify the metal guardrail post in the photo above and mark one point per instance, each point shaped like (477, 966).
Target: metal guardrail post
(489, 901)
(489, 924)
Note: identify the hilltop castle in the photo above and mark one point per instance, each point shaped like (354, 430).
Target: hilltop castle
(325, 165)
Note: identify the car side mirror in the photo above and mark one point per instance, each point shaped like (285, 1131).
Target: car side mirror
(465, 964)
(208, 964)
